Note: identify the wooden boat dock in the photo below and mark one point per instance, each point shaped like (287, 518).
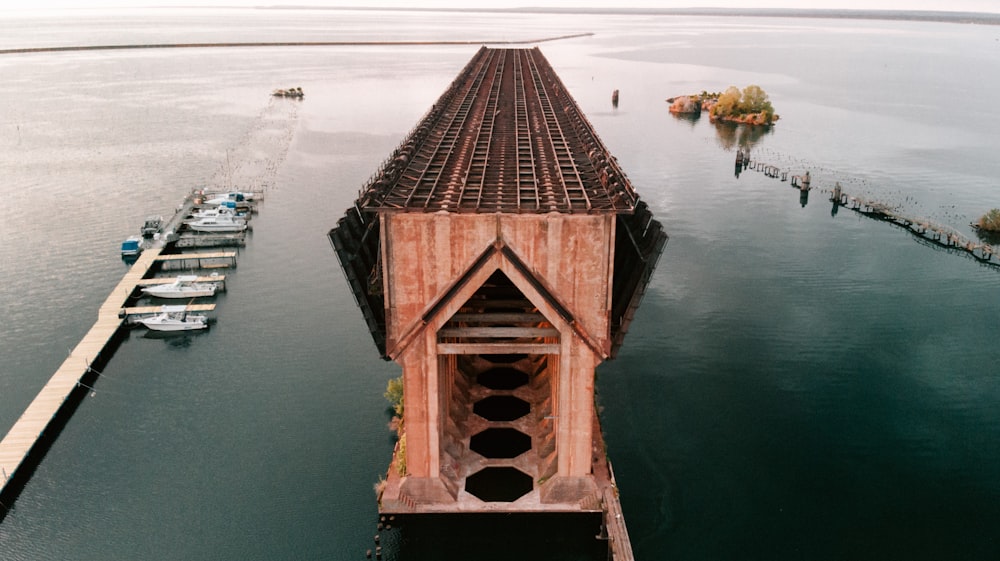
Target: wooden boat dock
(218, 279)
(40, 423)
(209, 260)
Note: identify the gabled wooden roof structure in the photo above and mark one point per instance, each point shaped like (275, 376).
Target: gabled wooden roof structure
(505, 137)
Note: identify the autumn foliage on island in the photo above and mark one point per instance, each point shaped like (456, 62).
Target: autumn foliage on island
(750, 106)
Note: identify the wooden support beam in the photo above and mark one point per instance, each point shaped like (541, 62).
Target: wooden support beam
(210, 255)
(156, 309)
(168, 280)
(498, 332)
(499, 318)
(497, 348)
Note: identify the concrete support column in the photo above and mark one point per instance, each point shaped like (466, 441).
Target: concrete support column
(574, 426)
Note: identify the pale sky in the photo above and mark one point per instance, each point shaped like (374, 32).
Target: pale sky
(992, 6)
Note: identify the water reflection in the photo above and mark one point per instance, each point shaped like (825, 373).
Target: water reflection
(985, 236)
(175, 339)
(737, 135)
(691, 118)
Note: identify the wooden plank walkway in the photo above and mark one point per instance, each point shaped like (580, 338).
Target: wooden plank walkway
(213, 258)
(168, 280)
(156, 309)
(207, 255)
(16, 446)
(619, 542)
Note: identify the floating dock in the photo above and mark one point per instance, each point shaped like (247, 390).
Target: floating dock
(36, 428)
(33, 427)
(208, 260)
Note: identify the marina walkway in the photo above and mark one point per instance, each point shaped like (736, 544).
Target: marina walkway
(17, 445)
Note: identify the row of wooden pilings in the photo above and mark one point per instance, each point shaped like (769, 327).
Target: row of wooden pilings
(927, 230)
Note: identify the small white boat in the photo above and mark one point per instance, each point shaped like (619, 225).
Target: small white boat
(132, 246)
(185, 286)
(239, 197)
(220, 223)
(175, 318)
(227, 207)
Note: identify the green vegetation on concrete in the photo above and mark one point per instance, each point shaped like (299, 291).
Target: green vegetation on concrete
(394, 395)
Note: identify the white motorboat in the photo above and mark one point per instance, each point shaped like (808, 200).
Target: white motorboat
(227, 207)
(184, 286)
(220, 223)
(175, 318)
(237, 197)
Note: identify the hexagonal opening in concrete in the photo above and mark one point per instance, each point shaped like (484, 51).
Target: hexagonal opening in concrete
(502, 378)
(501, 408)
(499, 484)
(500, 443)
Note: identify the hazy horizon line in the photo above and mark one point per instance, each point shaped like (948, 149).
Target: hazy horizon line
(943, 16)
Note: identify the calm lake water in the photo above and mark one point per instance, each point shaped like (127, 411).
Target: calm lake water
(798, 383)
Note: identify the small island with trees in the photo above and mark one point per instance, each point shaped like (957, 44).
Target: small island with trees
(750, 106)
(989, 222)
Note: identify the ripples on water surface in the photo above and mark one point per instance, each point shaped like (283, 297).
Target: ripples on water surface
(796, 385)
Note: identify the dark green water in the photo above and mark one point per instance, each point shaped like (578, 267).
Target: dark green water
(796, 385)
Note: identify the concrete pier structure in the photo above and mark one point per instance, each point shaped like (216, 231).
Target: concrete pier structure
(498, 256)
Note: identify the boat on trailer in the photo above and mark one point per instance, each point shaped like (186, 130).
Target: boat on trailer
(175, 318)
(184, 286)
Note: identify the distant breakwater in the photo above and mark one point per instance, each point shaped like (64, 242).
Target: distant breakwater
(281, 44)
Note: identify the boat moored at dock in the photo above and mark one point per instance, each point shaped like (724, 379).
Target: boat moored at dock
(151, 226)
(175, 318)
(220, 223)
(227, 207)
(132, 246)
(184, 286)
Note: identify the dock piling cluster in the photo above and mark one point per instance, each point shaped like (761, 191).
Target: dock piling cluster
(927, 230)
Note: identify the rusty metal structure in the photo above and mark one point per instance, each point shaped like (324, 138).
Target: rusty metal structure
(498, 255)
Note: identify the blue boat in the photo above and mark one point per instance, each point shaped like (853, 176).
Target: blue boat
(132, 246)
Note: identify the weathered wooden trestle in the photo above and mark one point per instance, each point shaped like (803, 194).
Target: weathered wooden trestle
(499, 255)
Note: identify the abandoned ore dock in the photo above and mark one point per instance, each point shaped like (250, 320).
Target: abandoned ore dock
(499, 255)
(39, 425)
